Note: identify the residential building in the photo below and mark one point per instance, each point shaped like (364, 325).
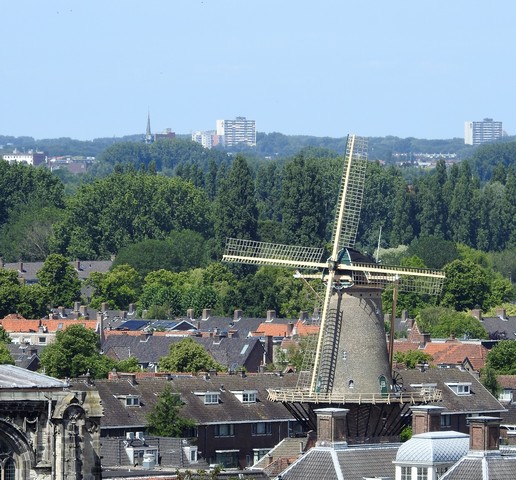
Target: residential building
(236, 423)
(166, 134)
(237, 132)
(208, 139)
(486, 131)
(31, 158)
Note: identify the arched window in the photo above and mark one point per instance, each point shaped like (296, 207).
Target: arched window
(9, 470)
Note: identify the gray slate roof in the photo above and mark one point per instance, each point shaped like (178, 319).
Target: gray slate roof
(229, 409)
(477, 466)
(230, 352)
(13, 377)
(352, 463)
(479, 401)
(505, 326)
(433, 447)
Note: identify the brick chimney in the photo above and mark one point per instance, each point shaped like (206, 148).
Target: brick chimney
(271, 315)
(206, 313)
(83, 310)
(290, 329)
(76, 306)
(331, 427)
(501, 313)
(237, 315)
(426, 418)
(477, 313)
(303, 315)
(190, 313)
(484, 433)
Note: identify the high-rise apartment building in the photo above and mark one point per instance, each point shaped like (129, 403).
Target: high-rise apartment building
(208, 139)
(237, 132)
(476, 133)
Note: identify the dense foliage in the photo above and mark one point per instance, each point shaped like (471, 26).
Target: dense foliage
(188, 356)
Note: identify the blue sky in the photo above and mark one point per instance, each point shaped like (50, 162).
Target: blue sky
(88, 69)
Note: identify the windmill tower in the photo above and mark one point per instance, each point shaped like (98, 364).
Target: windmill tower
(348, 364)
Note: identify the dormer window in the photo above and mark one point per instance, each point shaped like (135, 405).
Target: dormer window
(210, 398)
(132, 401)
(460, 388)
(246, 396)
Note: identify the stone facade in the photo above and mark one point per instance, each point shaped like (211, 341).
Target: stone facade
(47, 430)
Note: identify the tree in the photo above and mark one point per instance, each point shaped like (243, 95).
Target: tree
(5, 356)
(165, 420)
(118, 287)
(75, 352)
(488, 379)
(466, 286)
(304, 216)
(502, 358)
(412, 358)
(442, 322)
(129, 365)
(60, 281)
(30, 301)
(434, 251)
(236, 212)
(4, 336)
(188, 356)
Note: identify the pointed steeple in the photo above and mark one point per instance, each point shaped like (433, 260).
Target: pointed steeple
(148, 134)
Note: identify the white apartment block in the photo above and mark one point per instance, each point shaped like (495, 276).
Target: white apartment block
(31, 158)
(239, 131)
(208, 139)
(486, 131)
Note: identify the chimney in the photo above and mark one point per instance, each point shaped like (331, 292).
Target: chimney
(303, 316)
(132, 308)
(238, 315)
(78, 265)
(123, 314)
(190, 313)
(271, 315)
(484, 433)
(61, 311)
(425, 338)
(477, 313)
(83, 310)
(206, 313)
(269, 349)
(404, 315)
(316, 316)
(426, 418)
(331, 427)
(20, 269)
(104, 306)
(501, 313)
(290, 329)
(76, 306)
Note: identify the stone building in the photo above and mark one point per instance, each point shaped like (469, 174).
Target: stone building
(48, 429)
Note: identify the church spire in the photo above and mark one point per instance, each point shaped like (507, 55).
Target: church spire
(148, 134)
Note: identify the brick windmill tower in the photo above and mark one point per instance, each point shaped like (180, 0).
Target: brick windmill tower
(348, 364)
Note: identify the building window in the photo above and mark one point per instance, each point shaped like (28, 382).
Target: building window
(211, 398)
(227, 458)
(132, 402)
(406, 473)
(422, 473)
(224, 430)
(440, 471)
(42, 340)
(445, 421)
(9, 470)
(261, 428)
(249, 397)
(259, 453)
(460, 388)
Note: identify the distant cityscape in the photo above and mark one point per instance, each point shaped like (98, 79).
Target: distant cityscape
(241, 132)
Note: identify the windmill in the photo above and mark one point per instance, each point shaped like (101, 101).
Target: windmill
(349, 364)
